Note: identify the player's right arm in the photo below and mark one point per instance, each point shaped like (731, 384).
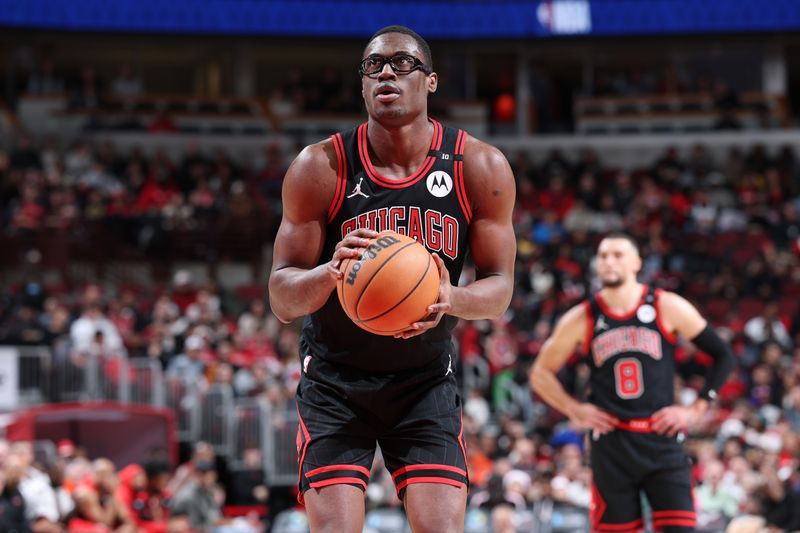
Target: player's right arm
(569, 334)
(298, 284)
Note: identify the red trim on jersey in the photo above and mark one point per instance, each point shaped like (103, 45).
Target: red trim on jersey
(587, 342)
(412, 468)
(363, 151)
(341, 176)
(670, 336)
(339, 481)
(429, 479)
(323, 469)
(458, 171)
(615, 316)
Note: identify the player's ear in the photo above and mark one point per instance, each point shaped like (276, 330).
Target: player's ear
(638, 263)
(433, 82)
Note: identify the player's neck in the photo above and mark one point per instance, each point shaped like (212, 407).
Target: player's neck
(402, 149)
(622, 299)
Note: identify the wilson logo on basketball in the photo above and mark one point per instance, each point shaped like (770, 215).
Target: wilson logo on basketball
(371, 252)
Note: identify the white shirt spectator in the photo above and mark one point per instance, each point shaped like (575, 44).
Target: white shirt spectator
(756, 330)
(39, 496)
(84, 333)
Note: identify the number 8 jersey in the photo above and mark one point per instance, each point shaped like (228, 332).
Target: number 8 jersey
(631, 357)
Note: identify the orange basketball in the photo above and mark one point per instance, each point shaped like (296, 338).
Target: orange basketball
(391, 286)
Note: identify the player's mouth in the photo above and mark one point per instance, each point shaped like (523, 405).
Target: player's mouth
(387, 92)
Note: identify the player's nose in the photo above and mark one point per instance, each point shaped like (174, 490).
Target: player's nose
(387, 73)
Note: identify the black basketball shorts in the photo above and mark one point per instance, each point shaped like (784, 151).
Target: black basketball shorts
(414, 415)
(627, 462)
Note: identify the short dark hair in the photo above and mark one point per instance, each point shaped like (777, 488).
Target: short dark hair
(625, 237)
(422, 43)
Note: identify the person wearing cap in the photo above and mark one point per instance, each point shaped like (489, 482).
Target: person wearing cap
(189, 366)
(197, 500)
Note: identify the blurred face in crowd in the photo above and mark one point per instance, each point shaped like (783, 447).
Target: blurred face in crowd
(396, 97)
(105, 475)
(24, 452)
(13, 472)
(618, 262)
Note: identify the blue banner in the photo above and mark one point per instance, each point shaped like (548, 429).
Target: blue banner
(433, 19)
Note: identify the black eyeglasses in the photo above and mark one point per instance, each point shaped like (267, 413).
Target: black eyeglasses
(400, 63)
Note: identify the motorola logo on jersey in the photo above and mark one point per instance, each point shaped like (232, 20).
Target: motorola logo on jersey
(435, 231)
(626, 339)
(439, 183)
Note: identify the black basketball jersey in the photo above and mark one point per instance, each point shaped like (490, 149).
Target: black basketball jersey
(430, 206)
(631, 357)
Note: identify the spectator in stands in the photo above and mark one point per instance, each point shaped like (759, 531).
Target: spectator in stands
(198, 499)
(97, 504)
(159, 498)
(713, 496)
(41, 504)
(247, 485)
(93, 334)
(767, 326)
(503, 519)
(13, 517)
(189, 366)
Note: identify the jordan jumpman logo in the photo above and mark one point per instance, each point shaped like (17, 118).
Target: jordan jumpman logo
(357, 191)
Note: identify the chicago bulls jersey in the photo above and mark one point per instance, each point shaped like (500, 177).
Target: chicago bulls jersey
(430, 206)
(631, 357)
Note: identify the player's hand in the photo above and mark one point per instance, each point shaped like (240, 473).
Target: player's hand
(673, 419)
(589, 416)
(436, 311)
(353, 244)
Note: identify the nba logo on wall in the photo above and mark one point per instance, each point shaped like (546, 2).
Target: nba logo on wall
(565, 17)
(439, 183)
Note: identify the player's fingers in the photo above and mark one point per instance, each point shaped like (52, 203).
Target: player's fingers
(611, 419)
(334, 270)
(362, 232)
(440, 265)
(440, 307)
(352, 241)
(345, 253)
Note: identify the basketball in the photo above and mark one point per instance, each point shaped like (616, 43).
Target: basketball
(391, 286)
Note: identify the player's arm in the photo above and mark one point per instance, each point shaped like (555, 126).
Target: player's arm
(681, 317)
(569, 333)
(298, 285)
(490, 188)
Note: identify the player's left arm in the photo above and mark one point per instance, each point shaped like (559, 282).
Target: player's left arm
(490, 188)
(681, 317)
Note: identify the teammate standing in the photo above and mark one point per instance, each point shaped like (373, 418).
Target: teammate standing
(402, 171)
(628, 331)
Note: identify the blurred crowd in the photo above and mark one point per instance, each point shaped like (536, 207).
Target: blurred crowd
(70, 491)
(723, 230)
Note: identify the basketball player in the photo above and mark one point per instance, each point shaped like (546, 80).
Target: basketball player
(403, 171)
(627, 331)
